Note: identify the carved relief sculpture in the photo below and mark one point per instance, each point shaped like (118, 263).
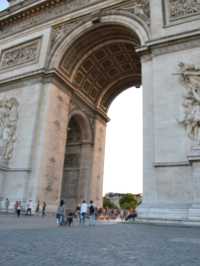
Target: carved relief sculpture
(140, 8)
(182, 8)
(20, 55)
(8, 126)
(190, 76)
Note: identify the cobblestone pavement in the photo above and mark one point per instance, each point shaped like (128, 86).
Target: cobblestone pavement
(38, 241)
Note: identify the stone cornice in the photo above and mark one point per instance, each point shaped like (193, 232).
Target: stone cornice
(50, 12)
(171, 38)
(27, 11)
(32, 8)
(171, 164)
(8, 169)
(172, 43)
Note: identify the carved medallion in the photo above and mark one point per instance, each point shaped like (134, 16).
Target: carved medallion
(190, 77)
(8, 126)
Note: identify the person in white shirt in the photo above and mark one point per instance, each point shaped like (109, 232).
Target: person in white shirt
(83, 211)
(29, 208)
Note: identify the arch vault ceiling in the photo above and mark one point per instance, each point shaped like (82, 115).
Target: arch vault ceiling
(102, 63)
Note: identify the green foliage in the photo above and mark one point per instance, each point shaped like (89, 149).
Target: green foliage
(128, 201)
(107, 203)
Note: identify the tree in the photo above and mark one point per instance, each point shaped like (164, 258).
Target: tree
(107, 203)
(128, 201)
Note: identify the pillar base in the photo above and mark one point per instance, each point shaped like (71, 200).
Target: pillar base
(169, 213)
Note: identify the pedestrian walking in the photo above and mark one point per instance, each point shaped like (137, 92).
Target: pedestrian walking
(92, 213)
(83, 211)
(44, 205)
(7, 203)
(60, 215)
(18, 208)
(37, 209)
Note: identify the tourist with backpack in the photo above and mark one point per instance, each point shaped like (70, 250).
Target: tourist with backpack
(92, 213)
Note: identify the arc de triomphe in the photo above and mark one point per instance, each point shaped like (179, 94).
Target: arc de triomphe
(62, 62)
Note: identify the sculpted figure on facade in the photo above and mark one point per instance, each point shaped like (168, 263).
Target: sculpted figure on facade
(190, 76)
(182, 8)
(140, 8)
(8, 126)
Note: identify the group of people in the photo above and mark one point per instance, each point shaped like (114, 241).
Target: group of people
(82, 212)
(27, 208)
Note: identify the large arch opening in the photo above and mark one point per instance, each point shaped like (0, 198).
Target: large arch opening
(98, 65)
(123, 168)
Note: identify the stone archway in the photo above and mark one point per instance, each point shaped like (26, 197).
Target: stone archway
(75, 182)
(58, 57)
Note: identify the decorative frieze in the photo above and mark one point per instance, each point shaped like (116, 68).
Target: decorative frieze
(190, 77)
(183, 8)
(37, 13)
(20, 55)
(8, 126)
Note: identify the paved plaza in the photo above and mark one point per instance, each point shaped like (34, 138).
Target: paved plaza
(38, 241)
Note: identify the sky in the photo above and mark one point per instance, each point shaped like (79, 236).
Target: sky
(123, 157)
(3, 4)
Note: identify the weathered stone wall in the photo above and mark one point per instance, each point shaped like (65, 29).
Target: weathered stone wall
(16, 169)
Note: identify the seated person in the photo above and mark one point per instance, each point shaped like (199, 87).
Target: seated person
(131, 216)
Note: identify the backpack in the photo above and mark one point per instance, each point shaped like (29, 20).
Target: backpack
(91, 209)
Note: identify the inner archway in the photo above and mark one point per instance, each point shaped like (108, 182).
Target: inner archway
(75, 171)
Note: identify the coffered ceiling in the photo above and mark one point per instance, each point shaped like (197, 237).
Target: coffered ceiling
(102, 63)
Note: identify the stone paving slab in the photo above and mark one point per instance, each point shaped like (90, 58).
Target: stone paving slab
(34, 241)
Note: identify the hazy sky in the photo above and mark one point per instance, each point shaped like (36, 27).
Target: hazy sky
(3, 4)
(123, 160)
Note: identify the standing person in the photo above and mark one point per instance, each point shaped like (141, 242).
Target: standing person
(83, 211)
(37, 209)
(18, 208)
(16, 204)
(60, 215)
(92, 213)
(7, 203)
(77, 214)
(44, 205)
(29, 208)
